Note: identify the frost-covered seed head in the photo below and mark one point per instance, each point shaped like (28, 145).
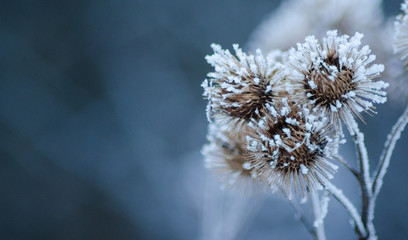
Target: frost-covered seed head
(226, 155)
(290, 152)
(242, 85)
(336, 77)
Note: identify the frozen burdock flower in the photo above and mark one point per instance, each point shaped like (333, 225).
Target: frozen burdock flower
(242, 85)
(336, 77)
(226, 155)
(401, 33)
(291, 151)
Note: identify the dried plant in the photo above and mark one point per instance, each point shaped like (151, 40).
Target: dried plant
(242, 86)
(336, 77)
(276, 121)
(295, 19)
(226, 154)
(292, 148)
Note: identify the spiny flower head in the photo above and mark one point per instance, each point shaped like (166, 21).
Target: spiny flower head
(401, 33)
(241, 86)
(291, 150)
(226, 155)
(336, 77)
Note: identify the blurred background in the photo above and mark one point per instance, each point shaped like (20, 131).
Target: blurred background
(102, 121)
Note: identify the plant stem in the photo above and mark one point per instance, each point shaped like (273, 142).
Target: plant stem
(299, 213)
(363, 161)
(348, 205)
(348, 166)
(320, 234)
(365, 183)
(392, 139)
(385, 159)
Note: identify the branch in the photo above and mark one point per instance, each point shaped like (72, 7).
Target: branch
(339, 195)
(385, 159)
(389, 146)
(318, 223)
(299, 213)
(363, 159)
(348, 166)
(365, 181)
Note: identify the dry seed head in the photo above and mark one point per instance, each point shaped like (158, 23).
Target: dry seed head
(226, 155)
(243, 84)
(336, 77)
(291, 152)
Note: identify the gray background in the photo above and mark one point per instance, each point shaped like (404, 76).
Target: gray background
(102, 121)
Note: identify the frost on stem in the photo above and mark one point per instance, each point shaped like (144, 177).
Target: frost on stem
(389, 146)
(324, 208)
(291, 149)
(317, 209)
(348, 205)
(242, 85)
(336, 77)
(226, 155)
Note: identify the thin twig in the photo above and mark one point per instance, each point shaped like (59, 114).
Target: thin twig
(324, 207)
(363, 159)
(348, 166)
(317, 215)
(299, 213)
(385, 159)
(339, 195)
(365, 182)
(370, 222)
(392, 139)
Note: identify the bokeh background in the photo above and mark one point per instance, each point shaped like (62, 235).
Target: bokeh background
(102, 121)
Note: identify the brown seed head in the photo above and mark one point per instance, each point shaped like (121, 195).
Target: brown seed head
(328, 90)
(287, 154)
(336, 77)
(243, 84)
(226, 155)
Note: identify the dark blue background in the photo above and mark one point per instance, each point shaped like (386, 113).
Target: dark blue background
(102, 121)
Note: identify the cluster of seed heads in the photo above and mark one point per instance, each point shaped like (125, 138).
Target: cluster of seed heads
(275, 120)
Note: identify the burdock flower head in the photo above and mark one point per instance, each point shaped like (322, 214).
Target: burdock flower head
(226, 155)
(241, 86)
(336, 77)
(401, 33)
(291, 149)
